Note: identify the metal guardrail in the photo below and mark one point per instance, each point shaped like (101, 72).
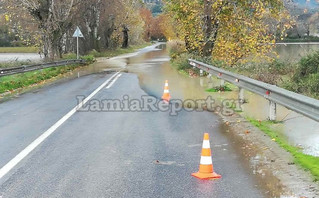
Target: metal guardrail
(28, 68)
(299, 103)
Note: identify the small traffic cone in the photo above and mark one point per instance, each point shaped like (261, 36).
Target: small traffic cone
(206, 169)
(166, 96)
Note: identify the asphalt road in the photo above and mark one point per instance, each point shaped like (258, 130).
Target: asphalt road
(113, 154)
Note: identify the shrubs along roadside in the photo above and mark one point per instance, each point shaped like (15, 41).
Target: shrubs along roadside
(306, 77)
(301, 77)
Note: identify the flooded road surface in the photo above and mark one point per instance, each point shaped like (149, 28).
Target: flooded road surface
(154, 68)
(10, 57)
(128, 154)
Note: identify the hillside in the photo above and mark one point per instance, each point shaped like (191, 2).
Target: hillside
(154, 5)
(312, 4)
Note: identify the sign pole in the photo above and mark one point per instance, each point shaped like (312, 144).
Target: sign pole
(77, 47)
(77, 34)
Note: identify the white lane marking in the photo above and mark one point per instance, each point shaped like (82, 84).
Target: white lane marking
(115, 79)
(12, 163)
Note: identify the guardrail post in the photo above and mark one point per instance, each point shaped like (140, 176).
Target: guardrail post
(272, 110)
(241, 97)
(210, 83)
(201, 72)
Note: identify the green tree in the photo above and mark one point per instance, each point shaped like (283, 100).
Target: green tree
(229, 30)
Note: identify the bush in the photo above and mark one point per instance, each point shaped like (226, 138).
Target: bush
(308, 65)
(306, 78)
(313, 83)
(175, 48)
(181, 62)
(69, 56)
(268, 72)
(95, 53)
(88, 58)
(281, 68)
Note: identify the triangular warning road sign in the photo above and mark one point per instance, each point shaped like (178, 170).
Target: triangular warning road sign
(78, 33)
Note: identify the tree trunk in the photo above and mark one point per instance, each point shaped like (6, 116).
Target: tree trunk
(109, 31)
(187, 45)
(45, 46)
(209, 44)
(207, 50)
(125, 37)
(308, 30)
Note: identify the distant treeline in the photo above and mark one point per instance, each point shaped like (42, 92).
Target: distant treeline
(105, 24)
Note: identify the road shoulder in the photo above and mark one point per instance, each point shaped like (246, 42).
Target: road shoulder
(272, 164)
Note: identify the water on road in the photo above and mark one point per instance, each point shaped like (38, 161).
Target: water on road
(153, 68)
(115, 154)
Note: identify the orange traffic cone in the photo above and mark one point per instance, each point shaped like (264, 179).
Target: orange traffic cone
(166, 96)
(206, 169)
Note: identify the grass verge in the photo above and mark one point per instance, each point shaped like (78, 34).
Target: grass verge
(11, 83)
(307, 162)
(19, 49)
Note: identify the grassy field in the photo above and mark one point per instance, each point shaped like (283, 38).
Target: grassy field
(19, 49)
(307, 162)
(16, 64)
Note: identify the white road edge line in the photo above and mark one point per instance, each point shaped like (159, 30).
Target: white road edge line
(113, 81)
(12, 163)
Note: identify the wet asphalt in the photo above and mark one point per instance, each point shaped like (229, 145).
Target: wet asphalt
(114, 154)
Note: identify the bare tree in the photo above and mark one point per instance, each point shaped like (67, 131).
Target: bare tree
(53, 18)
(104, 23)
